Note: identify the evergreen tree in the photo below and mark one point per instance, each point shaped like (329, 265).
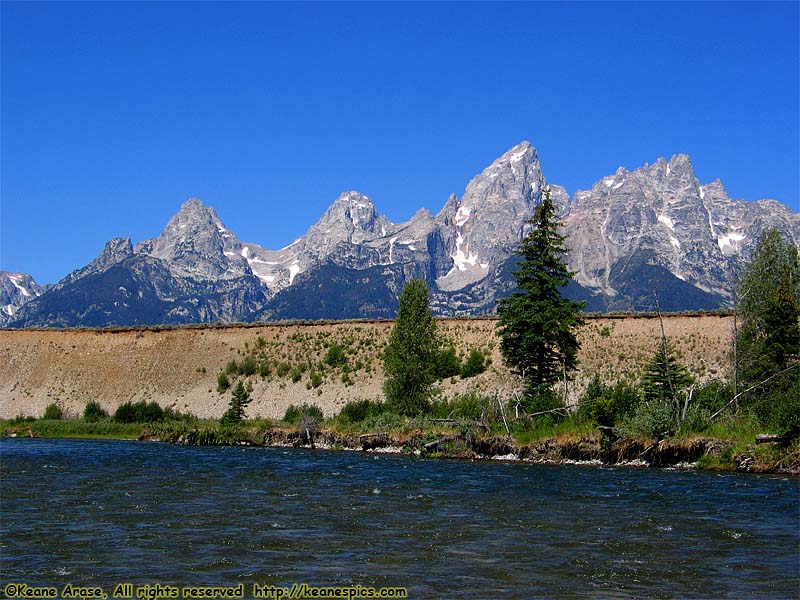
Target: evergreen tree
(769, 306)
(665, 377)
(410, 356)
(537, 325)
(240, 398)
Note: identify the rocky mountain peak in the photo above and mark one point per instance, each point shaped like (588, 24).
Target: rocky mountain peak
(524, 152)
(354, 209)
(16, 289)
(351, 218)
(115, 250)
(196, 243)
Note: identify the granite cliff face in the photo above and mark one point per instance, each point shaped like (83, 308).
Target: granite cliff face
(654, 232)
(659, 217)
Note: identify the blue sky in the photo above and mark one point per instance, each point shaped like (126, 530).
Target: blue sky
(112, 114)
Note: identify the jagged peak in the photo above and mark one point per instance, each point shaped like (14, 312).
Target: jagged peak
(192, 203)
(678, 159)
(194, 212)
(119, 246)
(422, 213)
(353, 198)
(522, 152)
(715, 185)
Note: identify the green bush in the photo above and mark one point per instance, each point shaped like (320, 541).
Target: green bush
(697, 419)
(315, 379)
(53, 412)
(387, 420)
(653, 418)
(282, 369)
(20, 419)
(223, 383)
(780, 411)
(541, 399)
(356, 411)
(248, 366)
(335, 357)
(139, 412)
(93, 412)
(295, 412)
(263, 369)
(474, 365)
(470, 407)
(446, 363)
(608, 405)
(712, 395)
(232, 368)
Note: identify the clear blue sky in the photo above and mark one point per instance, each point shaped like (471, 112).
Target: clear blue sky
(112, 114)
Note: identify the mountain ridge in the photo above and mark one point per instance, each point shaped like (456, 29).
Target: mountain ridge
(631, 229)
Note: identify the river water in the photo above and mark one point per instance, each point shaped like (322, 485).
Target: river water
(106, 512)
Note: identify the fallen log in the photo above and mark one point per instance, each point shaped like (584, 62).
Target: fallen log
(435, 444)
(766, 438)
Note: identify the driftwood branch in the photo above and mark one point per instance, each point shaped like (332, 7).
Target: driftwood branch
(435, 444)
(561, 411)
(502, 412)
(765, 438)
(750, 389)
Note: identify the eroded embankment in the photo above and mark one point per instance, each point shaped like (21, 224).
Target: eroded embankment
(178, 367)
(596, 449)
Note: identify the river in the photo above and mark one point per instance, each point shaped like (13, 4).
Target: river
(105, 512)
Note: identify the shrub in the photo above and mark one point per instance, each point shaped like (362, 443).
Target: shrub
(139, 412)
(93, 412)
(474, 365)
(356, 411)
(712, 395)
(248, 366)
(282, 369)
(540, 399)
(470, 406)
(335, 357)
(316, 379)
(53, 412)
(780, 411)
(608, 405)
(697, 419)
(223, 383)
(263, 369)
(294, 413)
(446, 363)
(232, 368)
(653, 418)
(387, 420)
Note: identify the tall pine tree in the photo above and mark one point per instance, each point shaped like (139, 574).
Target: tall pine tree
(410, 357)
(537, 324)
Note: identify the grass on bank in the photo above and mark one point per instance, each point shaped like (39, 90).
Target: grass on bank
(473, 416)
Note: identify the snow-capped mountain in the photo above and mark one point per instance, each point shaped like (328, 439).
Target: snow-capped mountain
(662, 215)
(655, 229)
(16, 289)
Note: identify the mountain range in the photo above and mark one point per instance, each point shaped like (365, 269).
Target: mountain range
(634, 237)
